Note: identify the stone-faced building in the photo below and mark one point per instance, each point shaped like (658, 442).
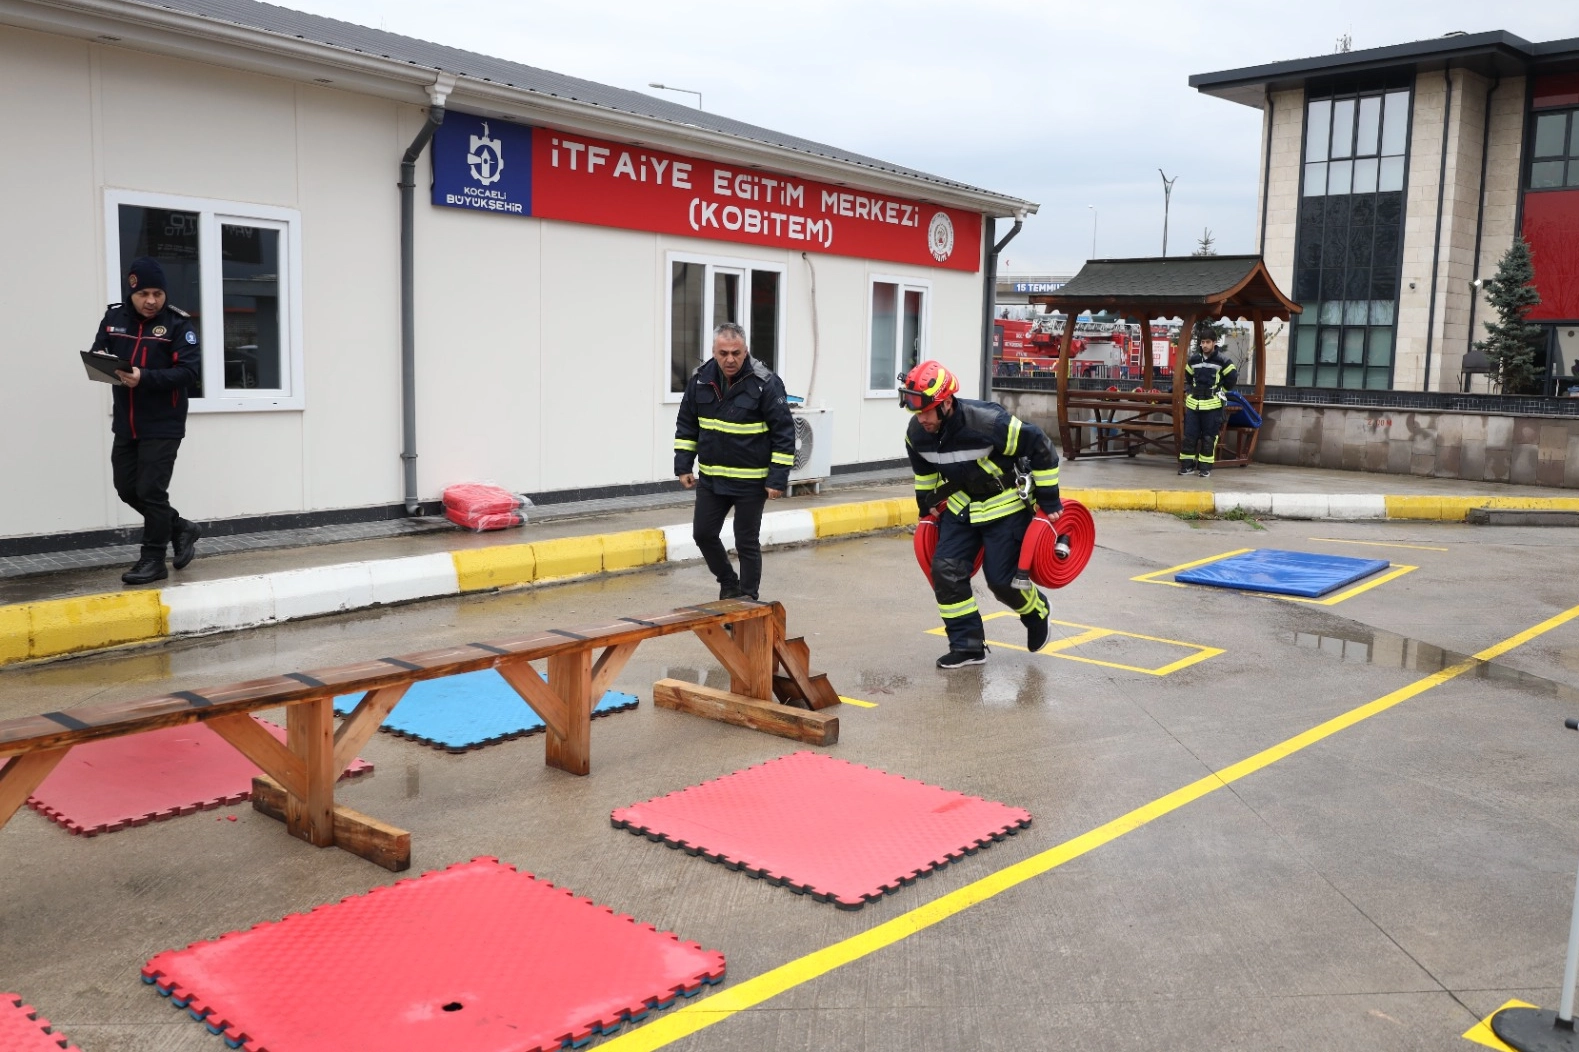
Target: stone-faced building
(1392, 180)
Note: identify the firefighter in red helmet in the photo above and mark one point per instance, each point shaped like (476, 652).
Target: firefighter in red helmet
(964, 454)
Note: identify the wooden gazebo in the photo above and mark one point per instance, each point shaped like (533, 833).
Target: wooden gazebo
(1192, 288)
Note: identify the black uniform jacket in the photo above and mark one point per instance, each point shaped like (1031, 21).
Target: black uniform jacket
(740, 435)
(165, 348)
(974, 453)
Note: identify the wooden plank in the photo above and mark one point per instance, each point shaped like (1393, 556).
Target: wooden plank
(608, 667)
(379, 842)
(789, 693)
(363, 721)
(22, 775)
(813, 728)
(570, 677)
(309, 731)
(754, 639)
(263, 749)
(1145, 352)
(1065, 435)
(724, 649)
(1181, 355)
(536, 693)
(814, 686)
(791, 660)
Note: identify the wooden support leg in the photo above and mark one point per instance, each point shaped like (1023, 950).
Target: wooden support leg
(378, 842)
(22, 775)
(570, 677)
(609, 665)
(754, 638)
(309, 731)
(363, 721)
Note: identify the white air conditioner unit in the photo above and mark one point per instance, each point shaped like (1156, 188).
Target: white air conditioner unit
(813, 447)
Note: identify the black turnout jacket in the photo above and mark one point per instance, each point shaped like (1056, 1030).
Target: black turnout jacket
(165, 348)
(739, 434)
(974, 454)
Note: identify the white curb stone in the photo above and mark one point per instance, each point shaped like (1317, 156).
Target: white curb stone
(788, 527)
(1299, 505)
(413, 577)
(1356, 506)
(211, 606)
(321, 590)
(1254, 503)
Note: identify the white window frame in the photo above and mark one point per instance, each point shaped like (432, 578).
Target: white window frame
(906, 284)
(721, 263)
(211, 215)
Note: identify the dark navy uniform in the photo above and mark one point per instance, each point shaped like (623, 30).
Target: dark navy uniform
(740, 437)
(1206, 378)
(973, 453)
(150, 419)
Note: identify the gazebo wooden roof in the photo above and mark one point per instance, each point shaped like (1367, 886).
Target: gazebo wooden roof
(1191, 288)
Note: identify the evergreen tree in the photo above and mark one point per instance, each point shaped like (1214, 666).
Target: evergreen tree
(1510, 340)
(1206, 246)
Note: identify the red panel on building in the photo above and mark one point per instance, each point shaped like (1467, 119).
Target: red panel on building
(1561, 89)
(584, 180)
(1551, 226)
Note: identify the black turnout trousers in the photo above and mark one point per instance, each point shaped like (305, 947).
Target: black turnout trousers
(708, 522)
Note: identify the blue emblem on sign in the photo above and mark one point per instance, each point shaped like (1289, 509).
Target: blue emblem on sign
(191, 337)
(482, 164)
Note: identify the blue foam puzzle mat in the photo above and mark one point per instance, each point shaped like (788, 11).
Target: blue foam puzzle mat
(462, 712)
(1302, 574)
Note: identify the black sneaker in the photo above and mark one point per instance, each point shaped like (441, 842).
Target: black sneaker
(149, 568)
(186, 544)
(1036, 635)
(730, 591)
(1186, 469)
(1205, 473)
(961, 658)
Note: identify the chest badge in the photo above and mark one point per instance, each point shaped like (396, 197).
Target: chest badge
(160, 330)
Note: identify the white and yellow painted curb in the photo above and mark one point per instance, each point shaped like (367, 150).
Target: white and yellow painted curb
(53, 627)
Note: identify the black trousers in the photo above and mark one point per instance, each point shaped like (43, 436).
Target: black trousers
(1201, 428)
(708, 523)
(958, 542)
(142, 468)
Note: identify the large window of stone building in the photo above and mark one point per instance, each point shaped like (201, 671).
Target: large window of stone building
(1349, 241)
(1554, 151)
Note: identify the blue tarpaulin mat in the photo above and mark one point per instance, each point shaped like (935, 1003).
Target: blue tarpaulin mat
(1282, 573)
(462, 712)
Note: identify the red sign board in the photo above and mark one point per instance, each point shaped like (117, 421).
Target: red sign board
(584, 180)
(1551, 226)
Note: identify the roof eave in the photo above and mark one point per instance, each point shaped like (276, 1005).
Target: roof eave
(148, 27)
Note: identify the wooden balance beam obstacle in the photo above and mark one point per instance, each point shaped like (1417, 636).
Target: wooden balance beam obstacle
(771, 689)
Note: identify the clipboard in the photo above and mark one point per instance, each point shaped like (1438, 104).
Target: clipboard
(103, 367)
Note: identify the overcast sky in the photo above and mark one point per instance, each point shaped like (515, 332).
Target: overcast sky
(1069, 105)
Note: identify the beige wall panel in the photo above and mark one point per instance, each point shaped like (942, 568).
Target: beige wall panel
(237, 464)
(54, 423)
(181, 128)
(350, 153)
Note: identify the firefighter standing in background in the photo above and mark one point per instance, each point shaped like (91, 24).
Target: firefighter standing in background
(963, 453)
(1207, 375)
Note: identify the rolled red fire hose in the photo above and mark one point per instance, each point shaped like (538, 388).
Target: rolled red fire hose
(1038, 551)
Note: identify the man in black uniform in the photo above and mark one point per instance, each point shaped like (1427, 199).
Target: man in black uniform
(1207, 375)
(964, 452)
(159, 345)
(735, 428)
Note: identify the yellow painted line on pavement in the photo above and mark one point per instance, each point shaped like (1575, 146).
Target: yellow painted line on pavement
(1151, 578)
(717, 1007)
(1333, 600)
(1054, 647)
(1381, 544)
(858, 702)
(1481, 1032)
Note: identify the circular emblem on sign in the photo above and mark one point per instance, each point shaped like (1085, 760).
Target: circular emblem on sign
(940, 236)
(160, 330)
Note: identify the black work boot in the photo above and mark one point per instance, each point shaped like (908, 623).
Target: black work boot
(185, 544)
(961, 658)
(730, 591)
(148, 569)
(1036, 634)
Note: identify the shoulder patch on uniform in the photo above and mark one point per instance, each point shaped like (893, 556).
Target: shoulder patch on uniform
(191, 337)
(177, 311)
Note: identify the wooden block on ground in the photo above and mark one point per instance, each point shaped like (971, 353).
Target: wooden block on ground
(378, 842)
(813, 728)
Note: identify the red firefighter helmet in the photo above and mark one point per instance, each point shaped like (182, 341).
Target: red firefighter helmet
(927, 385)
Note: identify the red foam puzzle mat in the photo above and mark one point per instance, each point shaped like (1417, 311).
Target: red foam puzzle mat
(107, 785)
(474, 958)
(22, 1029)
(837, 831)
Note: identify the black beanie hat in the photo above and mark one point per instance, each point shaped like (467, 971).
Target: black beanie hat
(145, 273)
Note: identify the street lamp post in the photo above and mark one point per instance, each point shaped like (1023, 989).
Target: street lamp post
(1167, 196)
(1093, 230)
(687, 91)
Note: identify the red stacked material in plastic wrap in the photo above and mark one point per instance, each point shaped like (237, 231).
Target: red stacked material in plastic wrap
(478, 506)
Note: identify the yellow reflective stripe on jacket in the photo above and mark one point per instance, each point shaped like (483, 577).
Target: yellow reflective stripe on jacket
(958, 502)
(1046, 477)
(724, 471)
(1012, 443)
(687, 445)
(730, 428)
(965, 609)
(986, 464)
(787, 459)
(1004, 504)
(928, 482)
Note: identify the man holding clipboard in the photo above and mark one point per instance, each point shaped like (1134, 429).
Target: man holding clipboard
(158, 352)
